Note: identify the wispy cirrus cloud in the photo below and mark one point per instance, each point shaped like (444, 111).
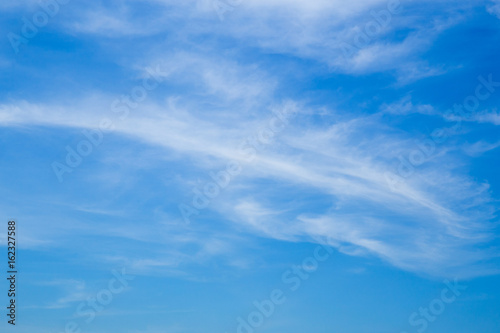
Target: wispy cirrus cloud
(494, 8)
(324, 176)
(344, 162)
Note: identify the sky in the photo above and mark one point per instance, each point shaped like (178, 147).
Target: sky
(251, 166)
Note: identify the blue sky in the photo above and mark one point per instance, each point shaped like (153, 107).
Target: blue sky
(209, 153)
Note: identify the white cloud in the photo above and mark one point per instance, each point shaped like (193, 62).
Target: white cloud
(423, 225)
(480, 147)
(494, 8)
(436, 222)
(73, 290)
(491, 117)
(313, 30)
